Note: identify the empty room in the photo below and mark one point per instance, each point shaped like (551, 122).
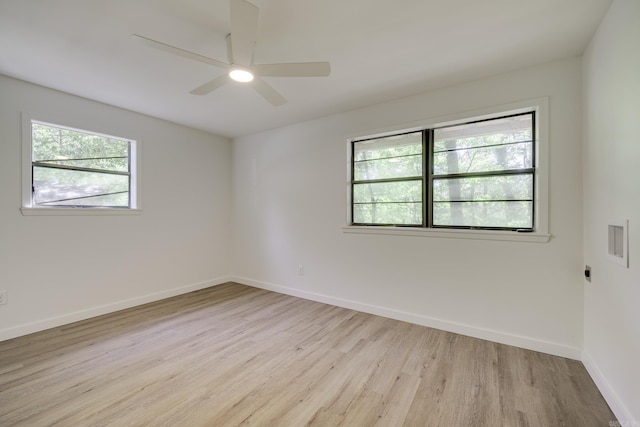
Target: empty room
(327, 213)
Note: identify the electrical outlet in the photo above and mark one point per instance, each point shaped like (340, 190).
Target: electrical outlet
(3, 297)
(300, 270)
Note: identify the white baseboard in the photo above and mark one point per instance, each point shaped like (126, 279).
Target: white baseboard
(52, 322)
(419, 319)
(622, 413)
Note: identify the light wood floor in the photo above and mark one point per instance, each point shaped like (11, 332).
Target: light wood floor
(235, 355)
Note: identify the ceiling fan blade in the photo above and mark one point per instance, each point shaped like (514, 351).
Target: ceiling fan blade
(268, 93)
(244, 30)
(299, 69)
(177, 51)
(211, 85)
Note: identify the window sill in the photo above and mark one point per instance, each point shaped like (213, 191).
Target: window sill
(509, 236)
(78, 211)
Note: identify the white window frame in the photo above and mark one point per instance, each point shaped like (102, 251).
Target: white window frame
(29, 208)
(541, 196)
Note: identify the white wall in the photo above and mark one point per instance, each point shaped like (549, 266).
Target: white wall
(290, 196)
(57, 269)
(611, 191)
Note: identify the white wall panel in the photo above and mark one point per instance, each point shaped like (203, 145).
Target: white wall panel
(290, 202)
(611, 193)
(58, 269)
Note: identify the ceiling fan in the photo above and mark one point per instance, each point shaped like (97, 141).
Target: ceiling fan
(240, 46)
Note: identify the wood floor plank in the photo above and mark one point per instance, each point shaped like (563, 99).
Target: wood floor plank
(234, 355)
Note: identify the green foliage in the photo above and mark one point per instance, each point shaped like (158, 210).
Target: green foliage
(397, 202)
(388, 147)
(54, 148)
(483, 214)
(388, 202)
(493, 146)
(457, 151)
(61, 146)
(388, 214)
(502, 187)
(483, 159)
(390, 157)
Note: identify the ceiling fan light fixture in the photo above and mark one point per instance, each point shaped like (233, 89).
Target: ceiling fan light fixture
(241, 75)
(239, 67)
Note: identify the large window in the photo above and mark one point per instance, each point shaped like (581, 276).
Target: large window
(77, 168)
(479, 174)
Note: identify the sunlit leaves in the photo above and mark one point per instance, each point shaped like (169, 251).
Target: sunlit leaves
(74, 188)
(483, 214)
(483, 188)
(97, 168)
(59, 145)
(390, 157)
(388, 214)
(397, 202)
(493, 145)
(390, 146)
(494, 158)
(482, 175)
(399, 158)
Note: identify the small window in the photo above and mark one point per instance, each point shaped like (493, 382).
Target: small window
(72, 168)
(475, 175)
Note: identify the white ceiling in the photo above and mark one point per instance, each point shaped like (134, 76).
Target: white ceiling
(378, 49)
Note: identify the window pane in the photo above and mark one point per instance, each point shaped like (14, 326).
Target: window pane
(486, 159)
(391, 157)
(505, 187)
(120, 200)
(483, 214)
(388, 203)
(57, 151)
(388, 192)
(389, 214)
(63, 146)
(53, 187)
(491, 145)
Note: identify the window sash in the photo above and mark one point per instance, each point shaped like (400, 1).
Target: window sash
(383, 200)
